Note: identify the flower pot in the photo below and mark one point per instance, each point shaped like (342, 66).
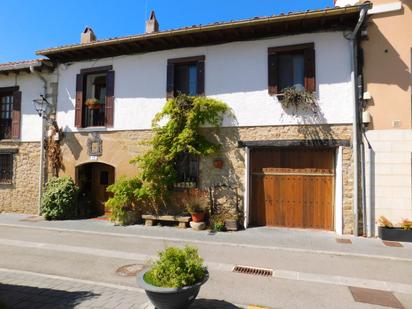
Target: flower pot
(231, 225)
(170, 298)
(198, 217)
(394, 234)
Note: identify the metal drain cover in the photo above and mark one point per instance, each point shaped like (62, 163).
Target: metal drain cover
(250, 270)
(129, 270)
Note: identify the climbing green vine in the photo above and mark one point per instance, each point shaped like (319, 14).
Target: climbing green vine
(177, 129)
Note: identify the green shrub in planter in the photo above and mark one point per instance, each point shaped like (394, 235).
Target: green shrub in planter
(124, 204)
(59, 199)
(176, 268)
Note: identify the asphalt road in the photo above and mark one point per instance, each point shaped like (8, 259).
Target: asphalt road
(300, 279)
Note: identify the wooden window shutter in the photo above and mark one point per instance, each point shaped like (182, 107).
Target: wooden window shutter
(170, 83)
(272, 73)
(109, 99)
(16, 115)
(78, 113)
(201, 78)
(310, 69)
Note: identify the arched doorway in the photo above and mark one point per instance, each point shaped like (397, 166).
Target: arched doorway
(93, 180)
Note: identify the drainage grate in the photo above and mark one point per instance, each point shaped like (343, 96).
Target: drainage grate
(129, 270)
(249, 270)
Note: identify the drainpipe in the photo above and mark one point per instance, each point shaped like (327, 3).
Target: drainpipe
(43, 124)
(355, 125)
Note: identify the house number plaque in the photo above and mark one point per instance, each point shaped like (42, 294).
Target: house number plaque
(94, 145)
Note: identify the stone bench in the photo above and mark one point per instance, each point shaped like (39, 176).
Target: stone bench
(150, 220)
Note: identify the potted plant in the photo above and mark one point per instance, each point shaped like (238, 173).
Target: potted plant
(294, 98)
(92, 103)
(387, 231)
(196, 204)
(174, 280)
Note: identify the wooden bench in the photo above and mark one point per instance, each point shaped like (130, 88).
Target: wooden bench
(150, 220)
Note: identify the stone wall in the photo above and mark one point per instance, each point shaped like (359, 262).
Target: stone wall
(22, 195)
(227, 183)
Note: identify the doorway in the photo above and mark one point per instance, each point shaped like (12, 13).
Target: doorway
(93, 180)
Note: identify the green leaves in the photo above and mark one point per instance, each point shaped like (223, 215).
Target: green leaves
(59, 199)
(176, 268)
(176, 130)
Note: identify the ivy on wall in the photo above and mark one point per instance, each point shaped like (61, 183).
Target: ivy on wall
(176, 130)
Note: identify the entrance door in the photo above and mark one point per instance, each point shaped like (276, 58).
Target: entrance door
(292, 187)
(93, 180)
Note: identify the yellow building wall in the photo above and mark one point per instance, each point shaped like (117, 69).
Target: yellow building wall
(388, 67)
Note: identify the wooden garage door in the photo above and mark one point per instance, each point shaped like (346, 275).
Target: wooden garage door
(292, 188)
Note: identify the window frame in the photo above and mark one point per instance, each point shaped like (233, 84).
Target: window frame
(200, 65)
(15, 120)
(183, 185)
(308, 51)
(81, 89)
(11, 153)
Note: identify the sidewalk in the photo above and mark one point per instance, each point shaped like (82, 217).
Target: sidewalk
(19, 289)
(269, 238)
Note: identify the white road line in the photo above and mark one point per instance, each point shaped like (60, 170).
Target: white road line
(278, 274)
(216, 243)
(98, 283)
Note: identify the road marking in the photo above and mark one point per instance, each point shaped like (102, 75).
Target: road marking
(217, 243)
(69, 279)
(277, 274)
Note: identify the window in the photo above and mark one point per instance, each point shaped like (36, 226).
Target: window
(291, 66)
(186, 75)
(10, 110)
(187, 171)
(6, 168)
(95, 97)
(6, 108)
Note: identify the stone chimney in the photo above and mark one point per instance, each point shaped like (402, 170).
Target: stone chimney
(152, 25)
(87, 36)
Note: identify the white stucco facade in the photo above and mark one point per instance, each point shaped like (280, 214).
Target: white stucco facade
(236, 73)
(389, 187)
(31, 87)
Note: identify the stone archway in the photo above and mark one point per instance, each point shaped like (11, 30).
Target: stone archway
(93, 179)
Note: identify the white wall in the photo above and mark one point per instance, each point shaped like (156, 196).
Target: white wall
(235, 73)
(31, 87)
(391, 174)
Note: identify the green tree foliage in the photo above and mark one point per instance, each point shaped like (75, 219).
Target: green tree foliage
(176, 268)
(59, 200)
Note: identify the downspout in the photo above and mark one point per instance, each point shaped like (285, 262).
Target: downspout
(355, 124)
(41, 174)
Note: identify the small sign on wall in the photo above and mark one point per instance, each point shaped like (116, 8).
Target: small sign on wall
(93, 158)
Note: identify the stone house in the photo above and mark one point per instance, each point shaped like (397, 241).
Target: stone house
(281, 166)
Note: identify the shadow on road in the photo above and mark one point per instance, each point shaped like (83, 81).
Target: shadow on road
(212, 303)
(20, 296)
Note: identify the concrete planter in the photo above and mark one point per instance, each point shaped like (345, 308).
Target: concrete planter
(231, 225)
(170, 298)
(395, 234)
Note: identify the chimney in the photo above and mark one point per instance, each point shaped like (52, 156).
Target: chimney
(152, 25)
(87, 36)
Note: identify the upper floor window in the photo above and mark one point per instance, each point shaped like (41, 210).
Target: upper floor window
(6, 168)
(10, 113)
(95, 97)
(186, 76)
(291, 66)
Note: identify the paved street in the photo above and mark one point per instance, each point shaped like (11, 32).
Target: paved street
(51, 265)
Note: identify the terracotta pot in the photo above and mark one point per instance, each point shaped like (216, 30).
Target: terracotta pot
(218, 163)
(199, 217)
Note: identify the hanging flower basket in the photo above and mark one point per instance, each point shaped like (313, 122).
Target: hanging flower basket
(92, 103)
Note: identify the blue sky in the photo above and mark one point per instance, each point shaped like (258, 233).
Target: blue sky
(29, 25)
